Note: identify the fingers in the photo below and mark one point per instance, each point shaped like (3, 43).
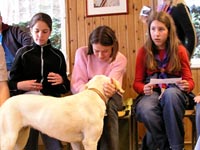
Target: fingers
(36, 86)
(183, 85)
(148, 89)
(54, 78)
(109, 89)
(29, 85)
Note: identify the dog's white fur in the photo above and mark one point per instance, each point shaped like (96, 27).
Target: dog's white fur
(76, 118)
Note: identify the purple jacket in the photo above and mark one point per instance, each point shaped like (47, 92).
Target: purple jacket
(14, 38)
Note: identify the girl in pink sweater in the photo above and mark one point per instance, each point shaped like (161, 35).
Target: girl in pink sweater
(102, 56)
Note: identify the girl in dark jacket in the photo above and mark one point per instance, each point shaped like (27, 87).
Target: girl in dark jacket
(39, 69)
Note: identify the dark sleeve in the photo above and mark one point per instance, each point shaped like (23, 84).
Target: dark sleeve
(21, 36)
(65, 87)
(15, 73)
(185, 28)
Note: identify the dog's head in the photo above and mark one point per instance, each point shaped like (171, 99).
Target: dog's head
(98, 81)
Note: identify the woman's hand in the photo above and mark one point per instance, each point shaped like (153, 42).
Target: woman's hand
(54, 78)
(29, 85)
(197, 99)
(109, 89)
(148, 89)
(183, 85)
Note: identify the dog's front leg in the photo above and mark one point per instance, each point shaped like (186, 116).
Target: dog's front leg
(8, 142)
(22, 138)
(77, 146)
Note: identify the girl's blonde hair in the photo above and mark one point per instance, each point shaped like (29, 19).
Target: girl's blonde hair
(172, 43)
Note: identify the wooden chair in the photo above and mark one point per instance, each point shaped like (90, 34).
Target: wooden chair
(190, 113)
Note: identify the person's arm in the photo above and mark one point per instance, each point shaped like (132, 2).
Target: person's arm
(21, 36)
(118, 67)
(4, 92)
(138, 84)
(79, 75)
(117, 70)
(15, 74)
(186, 71)
(64, 87)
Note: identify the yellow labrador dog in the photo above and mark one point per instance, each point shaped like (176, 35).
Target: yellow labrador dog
(76, 118)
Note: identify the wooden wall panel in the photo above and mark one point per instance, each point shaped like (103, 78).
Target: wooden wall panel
(131, 35)
(196, 78)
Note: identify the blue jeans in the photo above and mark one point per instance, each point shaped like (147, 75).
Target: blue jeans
(50, 143)
(198, 119)
(163, 119)
(110, 137)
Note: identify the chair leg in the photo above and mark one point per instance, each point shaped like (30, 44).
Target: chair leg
(194, 137)
(130, 133)
(135, 132)
(192, 118)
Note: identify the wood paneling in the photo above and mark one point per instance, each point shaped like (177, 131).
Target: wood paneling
(129, 30)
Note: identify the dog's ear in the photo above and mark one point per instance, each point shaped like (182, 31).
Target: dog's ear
(118, 86)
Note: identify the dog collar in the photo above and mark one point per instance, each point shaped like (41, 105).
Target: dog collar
(99, 93)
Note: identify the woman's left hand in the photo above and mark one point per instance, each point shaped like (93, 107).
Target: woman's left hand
(109, 89)
(54, 78)
(183, 85)
(197, 99)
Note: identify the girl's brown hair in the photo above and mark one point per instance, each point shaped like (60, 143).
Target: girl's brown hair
(105, 36)
(41, 17)
(172, 43)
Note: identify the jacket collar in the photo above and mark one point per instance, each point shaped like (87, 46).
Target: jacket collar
(45, 46)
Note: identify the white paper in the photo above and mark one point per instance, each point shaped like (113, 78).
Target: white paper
(165, 81)
(145, 11)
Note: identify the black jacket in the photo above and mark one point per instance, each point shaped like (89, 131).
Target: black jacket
(185, 28)
(36, 62)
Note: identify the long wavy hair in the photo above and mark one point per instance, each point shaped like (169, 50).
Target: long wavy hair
(172, 43)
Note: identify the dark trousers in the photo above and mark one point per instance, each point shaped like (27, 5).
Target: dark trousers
(163, 120)
(198, 119)
(50, 143)
(110, 137)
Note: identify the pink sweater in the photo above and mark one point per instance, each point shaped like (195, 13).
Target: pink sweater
(87, 66)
